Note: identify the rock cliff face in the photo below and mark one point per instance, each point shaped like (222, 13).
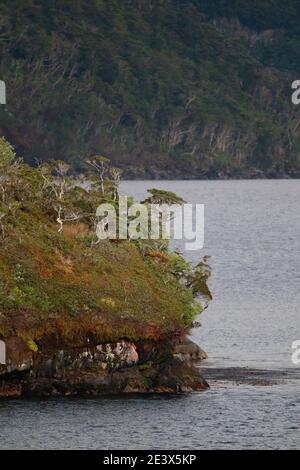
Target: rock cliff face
(100, 369)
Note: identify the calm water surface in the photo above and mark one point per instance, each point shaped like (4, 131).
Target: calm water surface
(252, 234)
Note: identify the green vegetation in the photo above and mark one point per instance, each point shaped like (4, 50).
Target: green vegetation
(194, 88)
(58, 284)
(280, 50)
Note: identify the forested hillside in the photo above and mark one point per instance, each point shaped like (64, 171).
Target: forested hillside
(164, 88)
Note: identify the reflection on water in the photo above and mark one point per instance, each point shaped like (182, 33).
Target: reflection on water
(252, 233)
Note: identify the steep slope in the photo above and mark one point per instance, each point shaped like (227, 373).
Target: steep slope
(190, 88)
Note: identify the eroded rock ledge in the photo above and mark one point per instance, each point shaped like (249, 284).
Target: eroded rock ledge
(100, 369)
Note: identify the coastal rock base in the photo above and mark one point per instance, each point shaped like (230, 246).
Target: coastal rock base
(173, 376)
(106, 370)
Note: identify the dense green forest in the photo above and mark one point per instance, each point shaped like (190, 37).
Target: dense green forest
(164, 88)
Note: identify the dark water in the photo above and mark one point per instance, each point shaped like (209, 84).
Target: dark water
(253, 235)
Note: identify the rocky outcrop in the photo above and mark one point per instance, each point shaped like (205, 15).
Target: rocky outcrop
(189, 350)
(172, 376)
(102, 369)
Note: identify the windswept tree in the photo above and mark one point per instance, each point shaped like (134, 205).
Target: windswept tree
(159, 196)
(100, 167)
(55, 178)
(59, 187)
(169, 203)
(116, 174)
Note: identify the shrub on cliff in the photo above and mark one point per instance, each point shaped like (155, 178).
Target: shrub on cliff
(57, 285)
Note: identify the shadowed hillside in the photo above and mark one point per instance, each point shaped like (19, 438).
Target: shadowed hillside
(190, 88)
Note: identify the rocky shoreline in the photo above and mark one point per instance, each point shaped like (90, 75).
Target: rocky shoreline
(153, 173)
(101, 369)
